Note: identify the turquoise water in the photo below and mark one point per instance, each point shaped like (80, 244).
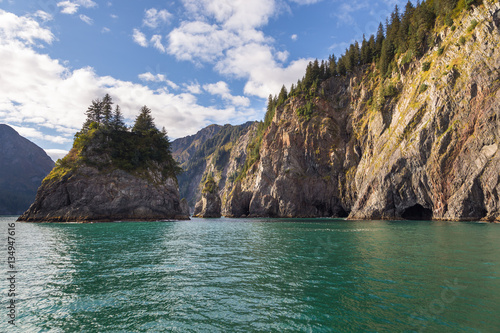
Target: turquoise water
(255, 275)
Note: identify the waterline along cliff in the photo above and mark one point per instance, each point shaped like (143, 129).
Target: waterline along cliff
(405, 126)
(112, 173)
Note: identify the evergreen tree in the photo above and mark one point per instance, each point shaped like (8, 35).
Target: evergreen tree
(117, 122)
(93, 113)
(144, 121)
(379, 40)
(332, 65)
(107, 110)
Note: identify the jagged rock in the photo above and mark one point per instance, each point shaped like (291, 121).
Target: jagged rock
(428, 149)
(210, 203)
(89, 195)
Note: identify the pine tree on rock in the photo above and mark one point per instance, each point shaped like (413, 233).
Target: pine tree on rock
(107, 110)
(144, 121)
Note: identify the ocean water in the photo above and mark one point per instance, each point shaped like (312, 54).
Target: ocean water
(254, 275)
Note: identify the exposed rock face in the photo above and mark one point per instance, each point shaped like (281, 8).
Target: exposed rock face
(208, 206)
(421, 144)
(23, 165)
(91, 195)
(184, 148)
(215, 150)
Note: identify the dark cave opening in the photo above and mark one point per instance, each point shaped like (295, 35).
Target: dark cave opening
(417, 212)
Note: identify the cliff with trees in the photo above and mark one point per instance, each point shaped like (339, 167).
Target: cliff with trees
(112, 173)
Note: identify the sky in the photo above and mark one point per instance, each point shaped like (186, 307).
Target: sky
(192, 62)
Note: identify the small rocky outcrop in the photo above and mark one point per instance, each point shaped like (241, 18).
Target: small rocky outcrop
(90, 195)
(112, 173)
(210, 203)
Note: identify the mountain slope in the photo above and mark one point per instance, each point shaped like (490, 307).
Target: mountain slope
(23, 165)
(419, 143)
(422, 143)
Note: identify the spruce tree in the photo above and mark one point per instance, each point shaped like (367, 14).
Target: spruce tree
(107, 110)
(117, 122)
(144, 121)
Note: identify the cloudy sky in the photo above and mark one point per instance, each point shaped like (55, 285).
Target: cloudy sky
(193, 62)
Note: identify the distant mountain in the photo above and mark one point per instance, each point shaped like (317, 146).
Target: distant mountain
(23, 165)
(208, 152)
(184, 148)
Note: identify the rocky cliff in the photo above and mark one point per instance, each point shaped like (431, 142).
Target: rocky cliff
(420, 143)
(23, 165)
(90, 195)
(218, 151)
(210, 203)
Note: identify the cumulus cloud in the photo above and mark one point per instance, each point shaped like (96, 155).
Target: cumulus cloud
(71, 6)
(22, 28)
(193, 88)
(154, 17)
(56, 154)
(294, 37)
(44, 16)
(150, 77)
(157, 44)
(225, 33)
(86, 19)
(222, 89)
(46, 100)
(33, 133)
(105, 30)
(140, 38)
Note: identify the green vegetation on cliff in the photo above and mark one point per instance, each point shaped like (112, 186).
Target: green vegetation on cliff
(106, 143)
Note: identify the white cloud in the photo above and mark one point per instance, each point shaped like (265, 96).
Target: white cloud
(105, 30)
(46, 99)
(86, 19)
(157, 44)
(32, 133)
(113, 16)
(22, 28)
(139, 38)
(68, 7)
(257, 63)
(71, 6)
(153, 17)
(150, 77)
(193, 88)
(222, 89)
(294, 37)
(56, 154)
(229, 40)
(44, 16)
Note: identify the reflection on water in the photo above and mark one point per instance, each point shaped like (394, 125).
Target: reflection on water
(315, 275)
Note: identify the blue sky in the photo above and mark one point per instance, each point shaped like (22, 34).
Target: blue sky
(193, 62)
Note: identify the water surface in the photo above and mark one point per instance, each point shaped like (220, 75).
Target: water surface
(256, 275)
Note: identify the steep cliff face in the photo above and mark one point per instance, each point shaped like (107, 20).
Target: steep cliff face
(218, 151)
(209, 204)
(420, 144)
(23, 165)
(436, 156)
(88, 194)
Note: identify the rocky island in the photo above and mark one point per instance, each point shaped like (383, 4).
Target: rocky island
(112, 173)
